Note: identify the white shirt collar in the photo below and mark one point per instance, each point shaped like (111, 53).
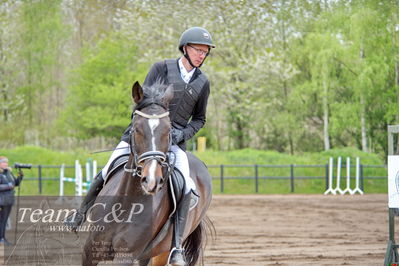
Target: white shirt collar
(186, 76)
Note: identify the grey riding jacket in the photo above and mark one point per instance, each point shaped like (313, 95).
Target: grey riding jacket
(7, 184)
(188, 106)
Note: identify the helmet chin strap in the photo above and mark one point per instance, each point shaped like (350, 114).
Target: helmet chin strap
(189, 60)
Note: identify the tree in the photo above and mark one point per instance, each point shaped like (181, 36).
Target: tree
(100, 95)
(30, 50)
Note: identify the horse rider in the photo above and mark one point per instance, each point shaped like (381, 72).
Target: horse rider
(187, 112)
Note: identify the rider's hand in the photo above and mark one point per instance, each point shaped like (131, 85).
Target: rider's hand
(177, 136)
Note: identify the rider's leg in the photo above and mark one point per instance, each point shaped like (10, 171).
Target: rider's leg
(74, 221)
(182, 164)
(122, 149)
(177, 256)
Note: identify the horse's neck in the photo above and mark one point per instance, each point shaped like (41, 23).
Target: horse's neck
(131, 186)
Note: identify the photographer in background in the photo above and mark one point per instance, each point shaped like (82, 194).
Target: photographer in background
(7, 184)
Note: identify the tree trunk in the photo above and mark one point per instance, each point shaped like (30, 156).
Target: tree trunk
(240, 137)
(285, 87)
(2, 75)
(326, 117)
(363, 113)
(363, 124)
(5, 110)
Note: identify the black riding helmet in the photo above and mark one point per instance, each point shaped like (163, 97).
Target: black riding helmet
(195, 35)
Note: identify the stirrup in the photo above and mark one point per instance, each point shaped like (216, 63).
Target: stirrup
(171, 253)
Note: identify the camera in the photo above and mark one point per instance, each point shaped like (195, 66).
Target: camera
(22, 166)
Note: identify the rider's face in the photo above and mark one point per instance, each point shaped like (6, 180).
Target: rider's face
(4, 165)
(197, 53)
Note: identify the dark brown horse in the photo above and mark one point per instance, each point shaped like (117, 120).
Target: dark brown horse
(134, 204)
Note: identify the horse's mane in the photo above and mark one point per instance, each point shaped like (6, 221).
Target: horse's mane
(153, 94)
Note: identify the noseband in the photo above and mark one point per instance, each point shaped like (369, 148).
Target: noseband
(159, 156)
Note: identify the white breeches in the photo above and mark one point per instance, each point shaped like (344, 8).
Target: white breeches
(122, 148)
(181, 162)
(183, 166)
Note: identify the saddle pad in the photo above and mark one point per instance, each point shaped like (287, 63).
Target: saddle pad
(115, 165)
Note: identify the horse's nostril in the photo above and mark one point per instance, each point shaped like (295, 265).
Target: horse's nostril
(161, 180)
(144, 180)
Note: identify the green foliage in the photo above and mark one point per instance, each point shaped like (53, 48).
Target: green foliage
(290, 76)
(100, 96)
(251, 156)
(30, 48)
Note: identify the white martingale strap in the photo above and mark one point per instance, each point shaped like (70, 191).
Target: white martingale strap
(154, 116)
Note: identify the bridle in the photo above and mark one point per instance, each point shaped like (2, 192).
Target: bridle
(161, 158)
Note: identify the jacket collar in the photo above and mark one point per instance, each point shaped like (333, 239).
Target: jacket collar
(197, 71)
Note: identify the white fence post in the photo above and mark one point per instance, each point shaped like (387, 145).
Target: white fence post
(357, 188)
(62, 173)
(348, 178)
(78, 178)
(330, 177)
(81, 186)
(338, 187)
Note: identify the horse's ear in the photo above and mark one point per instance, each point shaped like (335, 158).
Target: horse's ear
(168, 95)
(137, 92)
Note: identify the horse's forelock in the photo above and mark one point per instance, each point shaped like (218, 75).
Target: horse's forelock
(156, 91)
(152, 94)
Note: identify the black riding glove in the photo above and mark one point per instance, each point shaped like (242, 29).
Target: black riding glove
(177, 136)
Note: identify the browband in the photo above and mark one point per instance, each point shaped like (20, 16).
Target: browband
(151, 116)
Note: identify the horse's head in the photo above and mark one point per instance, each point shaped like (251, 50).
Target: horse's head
(150, 135)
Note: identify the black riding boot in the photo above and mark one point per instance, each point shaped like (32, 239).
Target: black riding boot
(177, 257)
(77, 219)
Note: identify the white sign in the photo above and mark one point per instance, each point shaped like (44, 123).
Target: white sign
(393, 181)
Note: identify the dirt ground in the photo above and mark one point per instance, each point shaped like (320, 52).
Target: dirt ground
(298, 230)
